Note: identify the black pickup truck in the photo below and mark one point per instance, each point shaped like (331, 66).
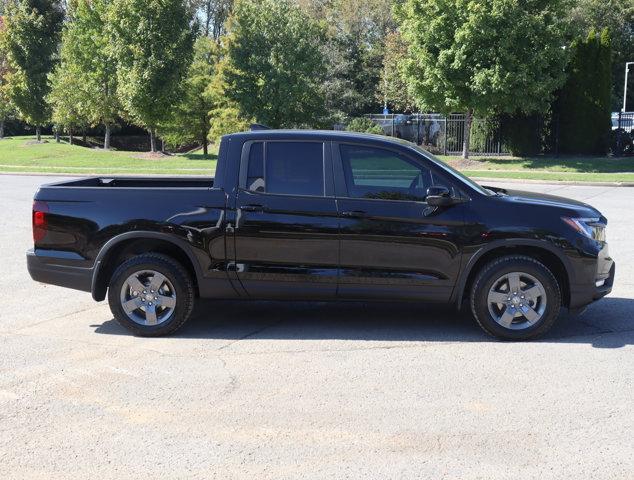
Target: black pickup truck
(316, 215)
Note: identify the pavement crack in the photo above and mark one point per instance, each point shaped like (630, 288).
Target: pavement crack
(250, 334)
(59, 317)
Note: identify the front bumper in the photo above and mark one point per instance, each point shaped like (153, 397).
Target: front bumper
(59, 268)
(582, 295)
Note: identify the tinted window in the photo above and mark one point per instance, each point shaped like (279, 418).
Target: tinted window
(255, 176)
(291, 168)
(382, 174)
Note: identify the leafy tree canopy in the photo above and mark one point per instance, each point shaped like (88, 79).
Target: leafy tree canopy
(618, 17)
(393, 89)
(152, 41)
(353, 48)
(30, 40)
(69, 98)
(274, 67)
(484, 56)
(85, 53)
(189, 122)
(6, 107)
(213, 15)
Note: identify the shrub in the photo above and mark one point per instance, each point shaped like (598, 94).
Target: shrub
(584, 102)
(485, 133)
(522, 133)
(621, 142)
(364, 125)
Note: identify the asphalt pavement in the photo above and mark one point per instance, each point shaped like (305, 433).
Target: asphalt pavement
(303, 390)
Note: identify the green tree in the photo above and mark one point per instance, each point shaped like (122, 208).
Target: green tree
(226, 116)
(6, 108)
(584, 101)
(152, 41)
(190, 119)
(32, 29)
(354, 46)
(274, 68)
(213, 15)
(84, 52)
(618, 17)
(69, 99)
(483, 57)
(393, 89)
(226, 120)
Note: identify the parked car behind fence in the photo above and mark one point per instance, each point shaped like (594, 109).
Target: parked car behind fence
(438, 133)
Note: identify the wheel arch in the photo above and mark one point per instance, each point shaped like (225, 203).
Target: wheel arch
(553, 259)
(129, 244)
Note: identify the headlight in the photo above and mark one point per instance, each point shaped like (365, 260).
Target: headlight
(589, 227)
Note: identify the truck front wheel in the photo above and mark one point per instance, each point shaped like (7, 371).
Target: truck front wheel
(515, 298)
(151, 295)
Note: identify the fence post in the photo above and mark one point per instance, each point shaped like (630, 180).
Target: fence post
(445, 135)
(619, 136)
(417, 130)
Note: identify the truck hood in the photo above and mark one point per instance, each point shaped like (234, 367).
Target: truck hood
(544, 199)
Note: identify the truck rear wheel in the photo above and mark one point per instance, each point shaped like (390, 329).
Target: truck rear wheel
(515, 298)
(151, 295)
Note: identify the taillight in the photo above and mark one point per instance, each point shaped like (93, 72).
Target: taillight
(40, 220)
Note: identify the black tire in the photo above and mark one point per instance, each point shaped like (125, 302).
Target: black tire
(495, 269)
(177, 276)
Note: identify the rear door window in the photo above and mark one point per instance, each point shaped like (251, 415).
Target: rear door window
(287, 168)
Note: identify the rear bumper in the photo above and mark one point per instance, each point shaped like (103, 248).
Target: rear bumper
(59, 268)
(582, 295)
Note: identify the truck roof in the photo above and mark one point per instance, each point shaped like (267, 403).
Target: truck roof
(315, 135)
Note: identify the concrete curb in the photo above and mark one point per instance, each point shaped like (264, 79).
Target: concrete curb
(557, 182)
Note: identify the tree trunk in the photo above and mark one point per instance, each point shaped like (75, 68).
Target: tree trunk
(83, 138)
(38, 133)
(1, 128)
(106, 138)
(467, 134)
(70, 136)
(57, 139)
(152, 140)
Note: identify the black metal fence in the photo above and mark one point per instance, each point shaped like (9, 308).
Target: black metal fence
(444, 134)
(440, 134)
(622, 142)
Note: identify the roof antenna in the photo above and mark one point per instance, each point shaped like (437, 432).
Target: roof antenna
(258, 126)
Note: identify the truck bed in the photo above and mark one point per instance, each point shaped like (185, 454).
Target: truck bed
(137, 182)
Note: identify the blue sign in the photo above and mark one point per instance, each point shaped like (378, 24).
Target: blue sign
(386, 111)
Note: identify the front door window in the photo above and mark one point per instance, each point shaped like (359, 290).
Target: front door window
(374, 173)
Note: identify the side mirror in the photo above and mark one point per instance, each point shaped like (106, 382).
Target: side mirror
(439, 197)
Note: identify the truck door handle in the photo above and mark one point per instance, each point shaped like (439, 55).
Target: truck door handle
(252, 208)
(354, 214)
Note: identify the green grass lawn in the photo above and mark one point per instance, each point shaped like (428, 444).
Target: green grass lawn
(569, 168)
(22, 154)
